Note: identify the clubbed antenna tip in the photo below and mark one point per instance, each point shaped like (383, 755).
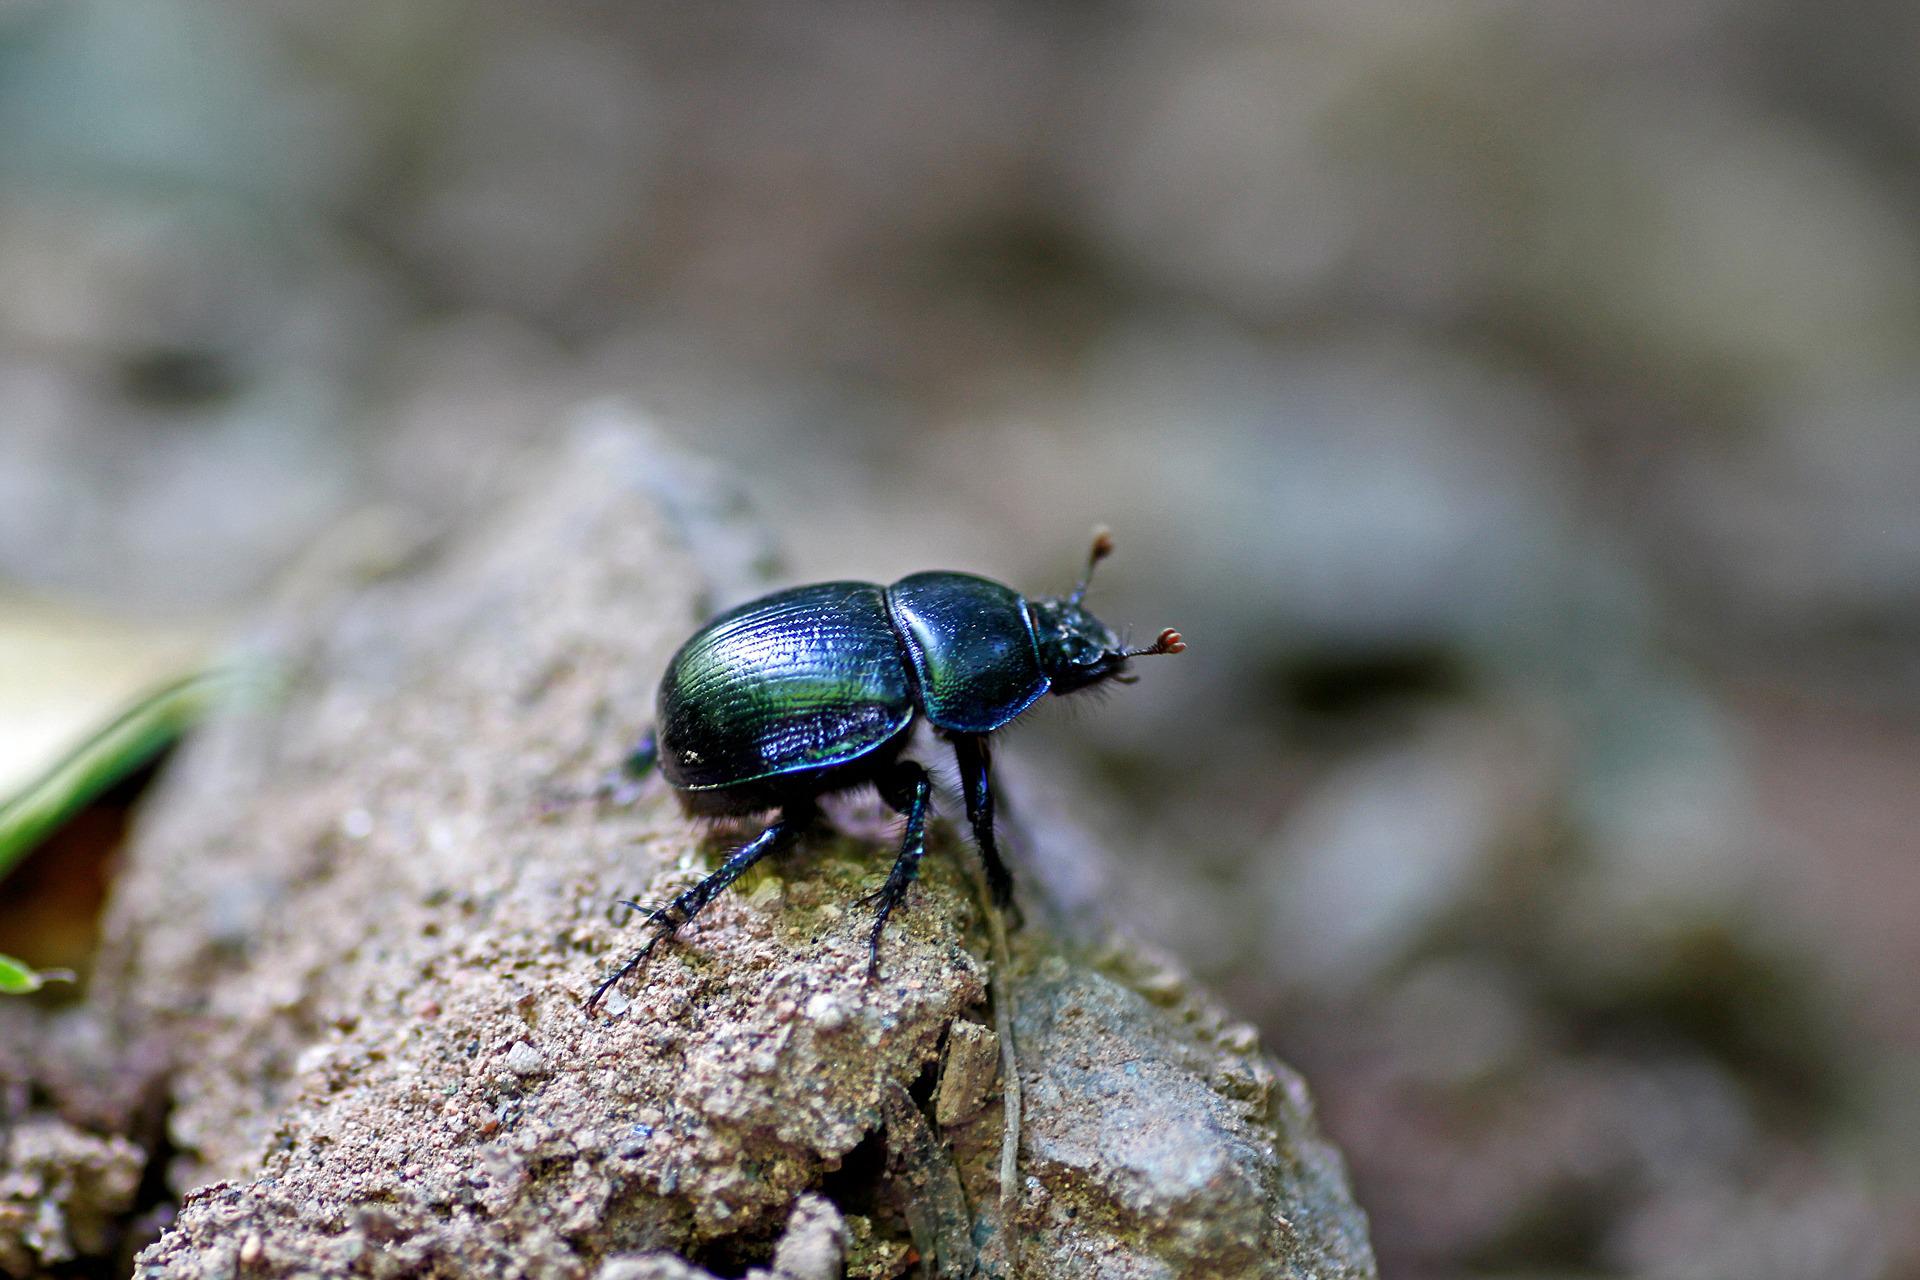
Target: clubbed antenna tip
(1102, 548)
(1168, 641)
(1102, 544)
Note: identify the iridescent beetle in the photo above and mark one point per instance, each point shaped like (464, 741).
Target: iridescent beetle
(816, 689)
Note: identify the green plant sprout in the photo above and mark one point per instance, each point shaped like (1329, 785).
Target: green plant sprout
(19, 979)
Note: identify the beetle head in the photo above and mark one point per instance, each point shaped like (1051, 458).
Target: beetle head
(1076, 648)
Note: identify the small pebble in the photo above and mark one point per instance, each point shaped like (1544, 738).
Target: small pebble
(1240, 1038)
(1161, 985)
(312, 1058)
(825, 1012)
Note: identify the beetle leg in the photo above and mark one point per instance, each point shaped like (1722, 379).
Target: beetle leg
(686, 905)
(622, 786)
(905, 788)
(976, 784)
(644, 754)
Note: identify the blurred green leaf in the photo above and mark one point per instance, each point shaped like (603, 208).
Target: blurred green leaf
(118, 749)
(17, 979)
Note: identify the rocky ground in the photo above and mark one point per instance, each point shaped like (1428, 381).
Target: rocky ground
(355, 934)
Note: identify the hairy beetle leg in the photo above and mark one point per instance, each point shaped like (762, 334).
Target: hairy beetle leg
(905, 789)
(976, 784)
(686, 905)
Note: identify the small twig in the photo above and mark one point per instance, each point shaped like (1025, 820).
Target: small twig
(1000, 979)
(931, 1195)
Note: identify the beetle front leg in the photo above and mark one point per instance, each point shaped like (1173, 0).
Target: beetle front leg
(686, 905)
(905, 788)
(622, 786)
(976, 784)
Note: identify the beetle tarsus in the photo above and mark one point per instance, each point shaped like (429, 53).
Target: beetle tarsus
(667, 920)
(906, 789)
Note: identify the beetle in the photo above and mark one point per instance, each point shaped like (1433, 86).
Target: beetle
(816, 689)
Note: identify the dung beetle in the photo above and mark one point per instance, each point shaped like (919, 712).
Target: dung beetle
(816, 689)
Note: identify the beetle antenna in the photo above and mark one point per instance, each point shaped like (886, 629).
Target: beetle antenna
(1168, 641)
(1102, 548)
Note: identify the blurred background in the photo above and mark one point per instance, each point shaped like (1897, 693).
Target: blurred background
(1513, 403)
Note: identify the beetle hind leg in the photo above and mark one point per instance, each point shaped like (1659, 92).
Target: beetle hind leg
(906, 789)
(976, 784)
(667, 920)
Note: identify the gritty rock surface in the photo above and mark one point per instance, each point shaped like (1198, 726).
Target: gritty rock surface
(1176, 1126)
(60, 1191)
(367, 917)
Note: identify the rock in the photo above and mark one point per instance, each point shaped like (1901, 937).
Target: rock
(973, 1058)
(1162, 1146)
(652, 1266)
(367, 920)
(60, 1192)
(815, 1245)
